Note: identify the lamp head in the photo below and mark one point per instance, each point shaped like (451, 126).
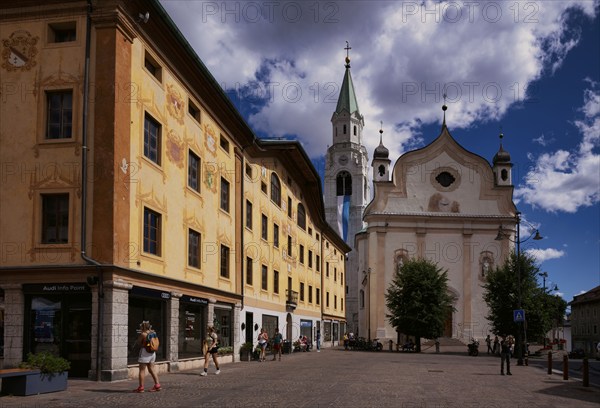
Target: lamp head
(500, 235)
(144, 17)
(537, 236)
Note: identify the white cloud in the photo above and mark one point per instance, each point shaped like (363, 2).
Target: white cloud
(542, 255)
(404, 56)
(567, 180)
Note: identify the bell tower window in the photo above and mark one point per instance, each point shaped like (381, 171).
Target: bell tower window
(344, 184)
(504, 175)
(354, 130)
(344, 129)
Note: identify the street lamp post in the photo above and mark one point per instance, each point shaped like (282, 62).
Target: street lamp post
(518, 242)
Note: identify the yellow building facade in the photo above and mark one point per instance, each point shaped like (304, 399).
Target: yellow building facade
(133, 190)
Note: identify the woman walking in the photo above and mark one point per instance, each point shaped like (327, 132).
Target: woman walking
(146, 358)
(211, 348)
(263, 338)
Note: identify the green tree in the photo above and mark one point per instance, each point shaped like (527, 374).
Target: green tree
(501, 293)
(418, 300)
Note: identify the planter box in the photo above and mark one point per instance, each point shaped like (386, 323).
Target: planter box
(34, 383)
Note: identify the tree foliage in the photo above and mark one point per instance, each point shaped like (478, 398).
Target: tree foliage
(418, 300)
(501, 293)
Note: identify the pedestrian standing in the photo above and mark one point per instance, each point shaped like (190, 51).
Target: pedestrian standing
(318, 341)
(488, 341)
(146, 358)
(505, 356)
(211, 348)
(277, 340)
(496, 345)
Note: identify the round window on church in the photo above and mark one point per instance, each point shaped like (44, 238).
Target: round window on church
(445, 179)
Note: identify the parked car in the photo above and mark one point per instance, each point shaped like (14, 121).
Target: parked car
(577, 353)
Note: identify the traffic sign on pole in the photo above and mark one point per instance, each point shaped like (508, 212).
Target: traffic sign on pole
(519, 315)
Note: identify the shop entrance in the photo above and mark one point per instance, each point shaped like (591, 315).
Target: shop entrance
(61, 325)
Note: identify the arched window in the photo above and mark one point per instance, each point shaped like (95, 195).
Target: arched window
(301, 216)
(381, 170)
(344, 184)
(504, 175)
(275, 189)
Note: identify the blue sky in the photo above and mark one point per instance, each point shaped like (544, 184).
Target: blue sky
(529, 68)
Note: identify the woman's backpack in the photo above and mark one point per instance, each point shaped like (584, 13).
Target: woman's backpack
(152, 343)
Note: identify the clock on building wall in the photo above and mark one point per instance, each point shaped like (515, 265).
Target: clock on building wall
(19, 51)
(343, 160)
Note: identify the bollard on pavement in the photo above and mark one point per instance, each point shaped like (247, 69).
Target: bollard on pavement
(586, 372)
(549, 362)
(391, 345)
(565, 367)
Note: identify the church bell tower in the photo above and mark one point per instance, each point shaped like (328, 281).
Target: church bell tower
(347, 190)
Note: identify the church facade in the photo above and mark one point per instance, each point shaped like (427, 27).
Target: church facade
(441, 203)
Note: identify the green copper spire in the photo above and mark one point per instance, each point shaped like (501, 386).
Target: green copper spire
(347, 99)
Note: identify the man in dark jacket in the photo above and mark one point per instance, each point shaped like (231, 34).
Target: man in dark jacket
(505, 356)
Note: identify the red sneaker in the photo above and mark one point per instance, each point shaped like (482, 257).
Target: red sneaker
(139, 389)
(155, 388)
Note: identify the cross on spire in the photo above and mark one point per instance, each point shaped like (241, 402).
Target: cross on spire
(348, 48)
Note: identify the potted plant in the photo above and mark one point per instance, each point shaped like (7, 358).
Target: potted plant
(48, 373)
(245, 351)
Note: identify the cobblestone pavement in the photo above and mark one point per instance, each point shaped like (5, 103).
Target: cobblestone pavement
(337, 378)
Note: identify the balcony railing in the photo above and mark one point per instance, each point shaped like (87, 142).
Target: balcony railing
(291, 298)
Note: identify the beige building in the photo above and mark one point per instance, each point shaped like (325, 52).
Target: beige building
(127, 176)
(443, 203)
(585, 321)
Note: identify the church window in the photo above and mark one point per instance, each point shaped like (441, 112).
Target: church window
(504, 175)
(344, 129)
(445, 179)
(381, 170)
(275, 190)
(354, 130)
(301, 216)
(344, 184)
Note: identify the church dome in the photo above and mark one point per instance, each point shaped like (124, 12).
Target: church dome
(502, 156)
(381, 152)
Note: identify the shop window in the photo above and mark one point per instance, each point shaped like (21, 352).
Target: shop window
(191, 327)
(55, 218)
(59, 115)
(152, 139)
(194, 171)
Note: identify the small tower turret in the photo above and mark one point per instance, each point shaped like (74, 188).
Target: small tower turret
(381, 161)
(502, 166)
